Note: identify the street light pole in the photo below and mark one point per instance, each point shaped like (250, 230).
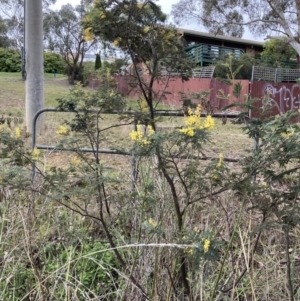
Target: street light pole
(23, 47)
(34, 61)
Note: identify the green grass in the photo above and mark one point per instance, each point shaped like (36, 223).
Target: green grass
(12, 97)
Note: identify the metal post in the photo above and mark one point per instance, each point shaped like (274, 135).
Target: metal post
(133, 162)
(256, 147)
(34, 61)
(23, 47)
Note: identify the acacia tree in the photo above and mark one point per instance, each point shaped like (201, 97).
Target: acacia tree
(137, 28)
(64, 35)
(231, 17)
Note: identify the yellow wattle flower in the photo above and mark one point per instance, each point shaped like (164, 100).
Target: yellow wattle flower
(152, 222)
(62, 130)
(220, 163)
(141, 138)
(193, 122)
(209, 123)
(88, 35)
(189, 131)
(18, 132)
(75, 161)
(36, 153)
(206, 245)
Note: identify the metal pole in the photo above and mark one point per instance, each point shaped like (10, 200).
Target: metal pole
(23, 50)
(133, 162)
(34, 61)
(256, 147)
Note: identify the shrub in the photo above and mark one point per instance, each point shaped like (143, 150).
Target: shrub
(53, 61)
(10, 60)
(245, 72)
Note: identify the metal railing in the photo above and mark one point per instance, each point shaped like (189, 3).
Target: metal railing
(277, 75)
(174, 113)
(208, 54)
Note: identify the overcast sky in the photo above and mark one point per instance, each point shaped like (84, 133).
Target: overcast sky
(166, 6)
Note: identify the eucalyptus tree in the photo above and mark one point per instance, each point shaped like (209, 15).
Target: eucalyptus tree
(13, 13)
(262, 17)
(65, 35)
(4, 40)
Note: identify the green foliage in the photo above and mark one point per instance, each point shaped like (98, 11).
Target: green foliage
(172, 224)
(278, 53)
(10, 60)
(94, 224)
(147, 41)
(4, 40)
(87, 262)
(242, 67)
(70, 42)
(53, 61)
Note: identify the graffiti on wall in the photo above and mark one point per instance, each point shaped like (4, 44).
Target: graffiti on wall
(281, 97)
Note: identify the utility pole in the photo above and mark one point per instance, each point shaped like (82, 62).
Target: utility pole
(34, 62)
(23, 47)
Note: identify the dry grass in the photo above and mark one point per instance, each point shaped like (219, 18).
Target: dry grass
(48, 224)
(227, 139)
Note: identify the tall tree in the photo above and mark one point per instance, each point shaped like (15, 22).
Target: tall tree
(64, 34)
(13, 13)
(4, 40)
(262, 17)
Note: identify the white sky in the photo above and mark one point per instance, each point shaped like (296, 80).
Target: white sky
(166, 6)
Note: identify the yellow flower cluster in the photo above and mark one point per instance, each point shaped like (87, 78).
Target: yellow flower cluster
(152, 222)
(35, 153)
(193, 122)
(206, 245)
(141, 138)
(290, 132)
(88, 34)
(117, 41)
(220, 163)
(188, 131)
(75, 161)
(196, 229)
(62, 130)
(189, 250)
(143, 105)
(18, 132)
(146, 29)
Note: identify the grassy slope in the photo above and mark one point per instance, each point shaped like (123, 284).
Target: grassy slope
(227, 139)
(12, 96)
